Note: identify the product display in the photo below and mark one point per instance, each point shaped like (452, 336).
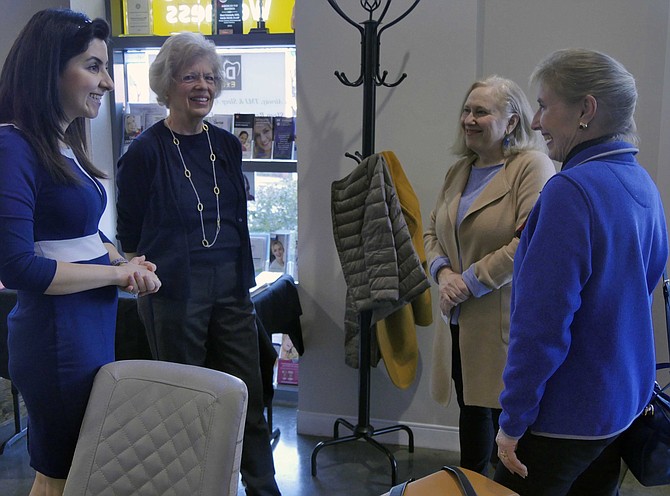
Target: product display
(284, 138)
(243, 128)
(228, 17)
(263, 137)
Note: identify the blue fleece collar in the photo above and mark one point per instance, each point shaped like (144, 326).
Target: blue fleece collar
(598, 151)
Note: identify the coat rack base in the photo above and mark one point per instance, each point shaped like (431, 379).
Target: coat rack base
(366, 433)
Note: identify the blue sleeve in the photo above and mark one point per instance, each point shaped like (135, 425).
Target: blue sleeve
(104, 238)
(20, 268)
(470, 279)
(553, 253)
(438, 264)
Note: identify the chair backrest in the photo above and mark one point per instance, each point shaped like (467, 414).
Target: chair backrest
(159, 428)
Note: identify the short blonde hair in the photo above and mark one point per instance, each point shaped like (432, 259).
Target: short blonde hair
(511, 100)
(178, 52)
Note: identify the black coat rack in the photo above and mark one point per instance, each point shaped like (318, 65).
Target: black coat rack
(370, 78)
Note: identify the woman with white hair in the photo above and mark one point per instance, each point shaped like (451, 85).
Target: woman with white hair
(182, 200)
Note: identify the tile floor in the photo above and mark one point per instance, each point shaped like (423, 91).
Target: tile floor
(351, 469)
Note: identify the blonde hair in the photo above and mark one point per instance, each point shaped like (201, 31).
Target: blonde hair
(511, 100)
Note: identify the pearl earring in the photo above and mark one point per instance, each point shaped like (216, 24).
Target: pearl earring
(583, 125)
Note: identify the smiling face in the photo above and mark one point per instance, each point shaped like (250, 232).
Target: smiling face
(485, 125)
(84, 81)
(278, 251)
(263, 137)
(192, 94)
(558, 121)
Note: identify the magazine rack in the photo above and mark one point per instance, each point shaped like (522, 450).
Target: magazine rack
(370, 78)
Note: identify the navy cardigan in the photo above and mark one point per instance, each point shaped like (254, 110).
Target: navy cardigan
(149, 219)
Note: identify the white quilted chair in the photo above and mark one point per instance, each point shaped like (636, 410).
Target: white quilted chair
(159, 429)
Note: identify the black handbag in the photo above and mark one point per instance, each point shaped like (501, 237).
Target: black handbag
(645, 445)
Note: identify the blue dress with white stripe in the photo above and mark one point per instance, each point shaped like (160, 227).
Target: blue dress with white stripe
(56, 343)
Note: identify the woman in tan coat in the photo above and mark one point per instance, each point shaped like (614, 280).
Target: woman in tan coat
(470, 243)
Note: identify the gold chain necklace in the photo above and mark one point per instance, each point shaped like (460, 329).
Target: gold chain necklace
(187, 173)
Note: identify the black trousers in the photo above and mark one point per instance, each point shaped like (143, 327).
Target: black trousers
(477, 425)
(216, 328)
(559, 467)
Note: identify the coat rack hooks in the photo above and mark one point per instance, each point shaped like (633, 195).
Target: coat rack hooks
(370, 78)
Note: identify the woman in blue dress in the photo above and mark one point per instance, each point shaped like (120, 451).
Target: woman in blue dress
(65, 271)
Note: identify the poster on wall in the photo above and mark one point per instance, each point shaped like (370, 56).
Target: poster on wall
(222, 17)
(232, 72)
(170, 17)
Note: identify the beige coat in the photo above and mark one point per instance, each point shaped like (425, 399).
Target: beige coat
(486, 238)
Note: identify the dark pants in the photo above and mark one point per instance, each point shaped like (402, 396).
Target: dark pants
(216, 328)
(559, 467)
(477, 426)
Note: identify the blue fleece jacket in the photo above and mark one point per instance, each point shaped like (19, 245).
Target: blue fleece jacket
(581, 360)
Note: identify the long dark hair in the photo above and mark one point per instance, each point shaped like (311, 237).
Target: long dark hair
(29, 86)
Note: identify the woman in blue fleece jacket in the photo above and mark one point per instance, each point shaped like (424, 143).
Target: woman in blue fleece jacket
(581, 362)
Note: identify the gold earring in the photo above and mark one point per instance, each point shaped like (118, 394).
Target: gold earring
(583, 125)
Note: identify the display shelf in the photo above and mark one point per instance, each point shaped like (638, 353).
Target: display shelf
(232, 40)
(273, 165)
(286, 395)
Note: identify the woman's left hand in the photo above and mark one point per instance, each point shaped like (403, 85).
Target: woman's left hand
(507, 454)
(141, 260)
(453, 290)
(138, 285)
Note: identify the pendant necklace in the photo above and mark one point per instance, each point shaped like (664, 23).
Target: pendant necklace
(187, 173)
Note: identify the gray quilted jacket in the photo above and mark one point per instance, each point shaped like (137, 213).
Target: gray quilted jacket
(380, 265)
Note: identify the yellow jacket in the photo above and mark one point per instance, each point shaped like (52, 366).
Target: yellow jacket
(396, 334)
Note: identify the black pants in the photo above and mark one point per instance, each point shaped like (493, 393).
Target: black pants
(477, 425)
(559, 467)
(216, 328)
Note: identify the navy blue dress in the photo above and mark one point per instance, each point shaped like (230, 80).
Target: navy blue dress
(56, 343)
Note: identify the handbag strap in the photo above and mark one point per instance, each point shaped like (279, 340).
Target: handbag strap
(399, 490)
(461, 479)
(466, 487)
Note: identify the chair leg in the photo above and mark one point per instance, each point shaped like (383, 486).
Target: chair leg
(17, 409)
(19, 430)
(274, 434)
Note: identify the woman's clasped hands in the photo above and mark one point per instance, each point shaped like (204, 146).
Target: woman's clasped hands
(139, 276)
(453, 290)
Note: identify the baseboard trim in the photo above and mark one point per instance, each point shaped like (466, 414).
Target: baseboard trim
(425, 435)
